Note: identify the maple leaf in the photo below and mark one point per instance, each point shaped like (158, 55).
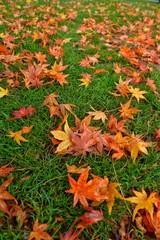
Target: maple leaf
(137, 93)
(56, 51)
(16, 211)
(99, 71)
(135, 144)
(158, 133)
(3, 92)
(34, 74)
(63, 136)
(4, 196)
(143, 202)
(68, 107)
(55, 110)
(61, 78)
(150, 83)
(74, 169)
(84, 190)
(26, 129)
(117, 69)
(113, 193)
(50, 100)
(17, 137)
(127, 112)
(89, 218)
(115, 126)
(85, 63)
(38, 232)
(70, 235)
(56, 68)
(40, 57)
(93, 59)
(107, 191)
(23, 112)
(85, 81)
(4, 171)
(98, 115)
(122, 88)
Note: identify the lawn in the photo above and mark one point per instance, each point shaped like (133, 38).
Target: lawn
(79, 120)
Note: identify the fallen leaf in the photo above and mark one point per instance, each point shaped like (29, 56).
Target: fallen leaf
(26, 129)
(23, 112)
(85, 81)
(143, 202)
(137, 93)
(89, 218)
(4, 196)
(98, 115)
(17, 137)
(74, 169)
(3, 92)
(5, 171)
(127, 112)
(64, 137)
(70, 235)
(38, 232)
(135, 144)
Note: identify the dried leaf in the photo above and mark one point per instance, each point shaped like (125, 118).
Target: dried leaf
(74, 169)
(89, 218)
(4, 196)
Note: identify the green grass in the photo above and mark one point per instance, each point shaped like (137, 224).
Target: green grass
(43, 194)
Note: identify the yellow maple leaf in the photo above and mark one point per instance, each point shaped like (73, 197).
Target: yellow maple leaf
(143, 202)
(85, 81)
(63, 136)
(3, 92)
(17, 137)
(113, 193)
(137, 93)
(135, 144)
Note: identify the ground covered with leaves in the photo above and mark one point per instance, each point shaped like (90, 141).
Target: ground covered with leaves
(79, 125)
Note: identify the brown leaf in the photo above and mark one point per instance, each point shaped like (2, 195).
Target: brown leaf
(4, 196)
(74, 169)
(89, 218)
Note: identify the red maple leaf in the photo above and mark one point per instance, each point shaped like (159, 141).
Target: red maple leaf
(23, 112)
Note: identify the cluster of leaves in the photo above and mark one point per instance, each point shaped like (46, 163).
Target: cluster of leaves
(25, 70)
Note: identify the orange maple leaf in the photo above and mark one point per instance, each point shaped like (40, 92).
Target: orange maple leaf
(4, 196)
(84, 190)
(5, 171)
(38, 232)
(127, 112)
